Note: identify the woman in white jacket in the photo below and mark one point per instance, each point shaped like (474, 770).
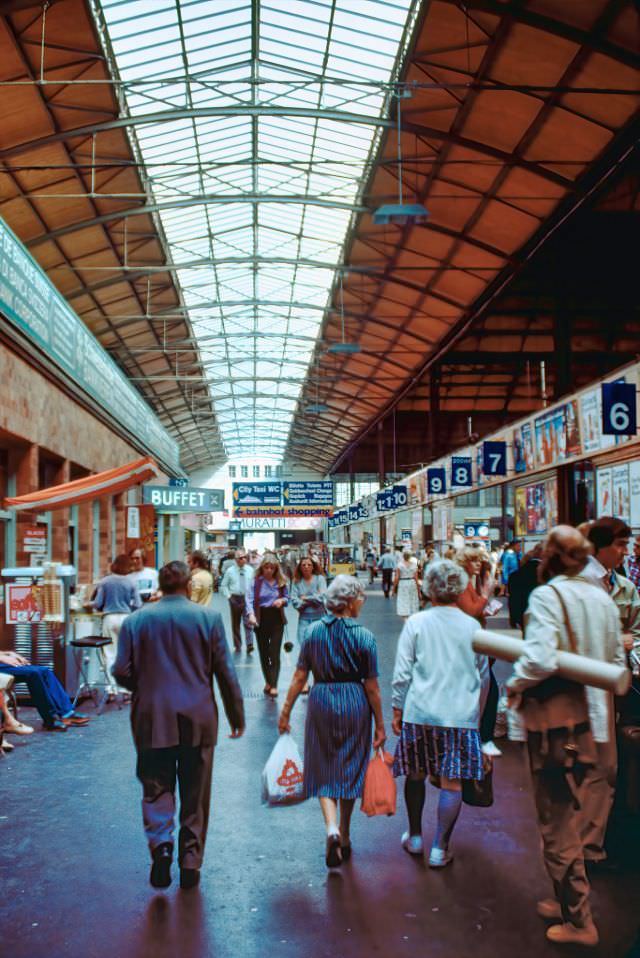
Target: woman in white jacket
(438, 687)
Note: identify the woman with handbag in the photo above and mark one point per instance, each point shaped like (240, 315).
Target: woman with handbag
(438, 686)
(266, 599)
(307, 598)
(342, 656)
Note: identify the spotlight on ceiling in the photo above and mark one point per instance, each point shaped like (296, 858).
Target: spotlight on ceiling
(343, 348)
(316, 407)
(400, 214)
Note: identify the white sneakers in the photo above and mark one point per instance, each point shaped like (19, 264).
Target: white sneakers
(491, 749)
(439, 858)
(412, 844)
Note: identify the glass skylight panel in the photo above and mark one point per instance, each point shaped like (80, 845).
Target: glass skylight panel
(255, 274)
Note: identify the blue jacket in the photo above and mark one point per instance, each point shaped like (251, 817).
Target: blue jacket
(168, 653)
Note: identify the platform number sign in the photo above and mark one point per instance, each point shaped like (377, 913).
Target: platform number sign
(400, 497)
(436, 481)
(619, 409)
(494, 458)
(461, 471)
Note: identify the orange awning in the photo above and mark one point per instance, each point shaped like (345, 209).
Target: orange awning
(91, 487)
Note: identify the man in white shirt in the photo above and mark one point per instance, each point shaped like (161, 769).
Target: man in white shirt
(237, 577)
(143, 575)
(387, 565)
(568, 733)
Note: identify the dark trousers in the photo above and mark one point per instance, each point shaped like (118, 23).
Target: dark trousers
(269, 635)
(490, 713)
(387, 578)
(49, 697)
(158, 769)
(237, 607)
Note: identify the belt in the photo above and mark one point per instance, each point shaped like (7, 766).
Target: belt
(337, 681)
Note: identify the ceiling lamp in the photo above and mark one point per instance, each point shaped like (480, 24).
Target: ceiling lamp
(400, 213)
(343, 347)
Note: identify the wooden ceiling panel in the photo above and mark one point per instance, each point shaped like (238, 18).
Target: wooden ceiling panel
(582, 14)
(532, 57)
(529, 192)
(501, 119)
(564, 136)
(506, 227)
(610, 111)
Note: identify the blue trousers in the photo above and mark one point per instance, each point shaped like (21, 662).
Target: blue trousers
(47, 694)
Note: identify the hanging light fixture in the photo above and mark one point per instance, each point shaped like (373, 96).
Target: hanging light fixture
(400, 213)
(344, 346)
(317, 406)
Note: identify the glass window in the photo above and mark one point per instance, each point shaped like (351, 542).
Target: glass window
(278, 471)
(244, 472)
(267, 472)
(256, 472)
(232, 472)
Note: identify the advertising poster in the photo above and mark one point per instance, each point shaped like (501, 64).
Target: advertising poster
(620, 492)
(520, 508)
(572, 427)
(417, 489)
(604, 492)
(541, 508)
(416, 525)
(634, 489)
(591, 412)
(390, 526)
(551, 503)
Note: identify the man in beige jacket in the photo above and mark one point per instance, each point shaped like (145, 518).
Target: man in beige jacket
(566, 727)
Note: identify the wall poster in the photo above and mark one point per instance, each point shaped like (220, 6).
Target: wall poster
(604, 492)
(620, 492)
(557, 434)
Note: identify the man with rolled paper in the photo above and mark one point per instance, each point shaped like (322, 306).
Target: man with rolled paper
(568, 725)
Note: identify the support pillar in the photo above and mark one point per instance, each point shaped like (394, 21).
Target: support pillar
(381, 479)
(60, 519)
(23, 465)
(434, 412)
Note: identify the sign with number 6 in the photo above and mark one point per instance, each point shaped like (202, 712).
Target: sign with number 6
(619, 409)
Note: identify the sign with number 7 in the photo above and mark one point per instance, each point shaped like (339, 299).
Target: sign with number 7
(494, 458)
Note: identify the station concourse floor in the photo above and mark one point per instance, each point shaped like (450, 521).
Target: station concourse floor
(75, 864)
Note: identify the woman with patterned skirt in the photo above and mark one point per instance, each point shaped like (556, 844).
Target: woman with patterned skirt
(438, 686)
(342, 657)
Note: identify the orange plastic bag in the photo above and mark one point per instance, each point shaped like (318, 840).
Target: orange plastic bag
(379, 796)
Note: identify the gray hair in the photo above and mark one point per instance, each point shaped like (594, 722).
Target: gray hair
(343, 590)
(446, 580)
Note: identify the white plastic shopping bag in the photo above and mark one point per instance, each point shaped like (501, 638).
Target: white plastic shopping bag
(282, 775)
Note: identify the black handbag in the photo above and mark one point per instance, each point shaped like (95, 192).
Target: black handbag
(478, 793)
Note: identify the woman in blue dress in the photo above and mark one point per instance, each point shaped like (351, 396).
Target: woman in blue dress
(342, 656)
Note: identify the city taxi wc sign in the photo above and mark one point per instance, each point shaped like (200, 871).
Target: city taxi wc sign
(183, 499)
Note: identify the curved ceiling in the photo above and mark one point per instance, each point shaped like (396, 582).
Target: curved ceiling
(211, 221)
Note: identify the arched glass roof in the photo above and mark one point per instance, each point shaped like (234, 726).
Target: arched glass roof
(256, 122)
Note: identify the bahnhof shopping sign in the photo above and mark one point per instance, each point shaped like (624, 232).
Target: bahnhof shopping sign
(183, 499)
(282, 499)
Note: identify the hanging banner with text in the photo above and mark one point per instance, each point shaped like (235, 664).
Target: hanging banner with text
(461, 474)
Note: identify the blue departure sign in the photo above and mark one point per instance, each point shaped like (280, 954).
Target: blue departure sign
(436, 481)
(494, 458)
(461, 474)
(619, 409)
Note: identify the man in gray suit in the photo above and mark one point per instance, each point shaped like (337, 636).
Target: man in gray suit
(168, 653)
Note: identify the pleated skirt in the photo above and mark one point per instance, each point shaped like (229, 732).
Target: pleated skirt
(337, 740)
(433, 750)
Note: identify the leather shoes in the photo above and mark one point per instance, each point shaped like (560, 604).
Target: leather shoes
(160, 875)
(75, 719)
(56, 726)
(249, 649)
(189, 878)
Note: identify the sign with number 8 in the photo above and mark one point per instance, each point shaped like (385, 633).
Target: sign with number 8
(461, 471)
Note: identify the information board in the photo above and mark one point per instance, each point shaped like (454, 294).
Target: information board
(176, 499)
(32, 303)
(308, 494)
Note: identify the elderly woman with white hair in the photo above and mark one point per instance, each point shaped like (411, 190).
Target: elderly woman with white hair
(438, 687)
(342, 656)
(405, 585)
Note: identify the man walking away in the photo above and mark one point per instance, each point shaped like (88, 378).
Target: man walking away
(388, 565)
(168, 653)
(237, 578)
(566, 724)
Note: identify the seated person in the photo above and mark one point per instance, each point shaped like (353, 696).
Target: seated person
(52, 702)
(8, 724)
